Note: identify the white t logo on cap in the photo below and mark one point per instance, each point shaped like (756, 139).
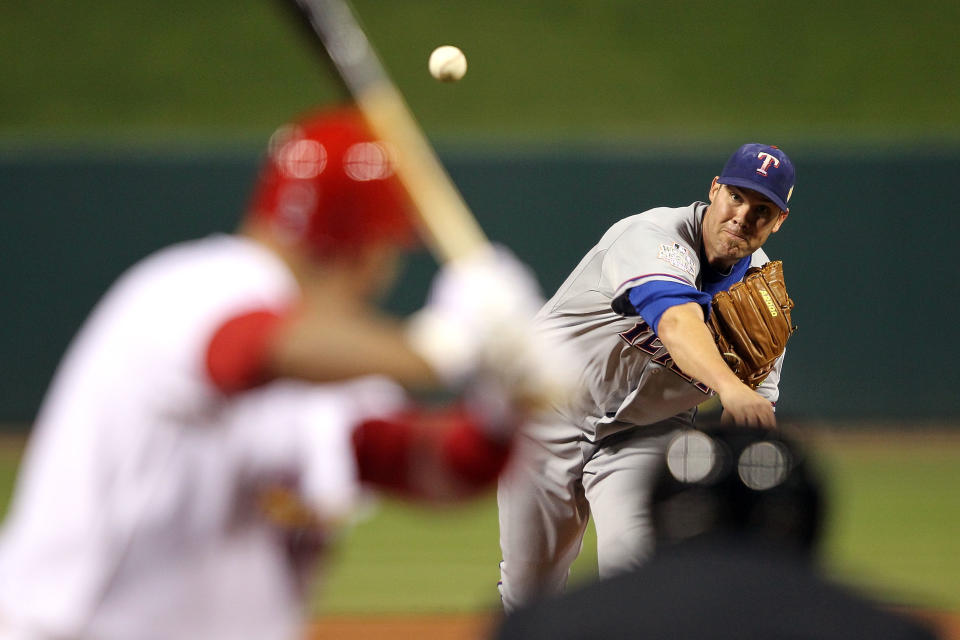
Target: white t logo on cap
(767, 159)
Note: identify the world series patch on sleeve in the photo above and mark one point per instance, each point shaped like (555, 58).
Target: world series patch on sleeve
(751, 322)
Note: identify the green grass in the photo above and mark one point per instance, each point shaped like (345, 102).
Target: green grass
(410, 558)
(10, 450)
(892, 531)
(895, 521)
(414, 559)
(540, 69)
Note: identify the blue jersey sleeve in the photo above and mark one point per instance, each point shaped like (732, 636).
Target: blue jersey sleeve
(651, 299)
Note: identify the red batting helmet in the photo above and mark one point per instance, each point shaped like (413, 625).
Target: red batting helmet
(329, 183)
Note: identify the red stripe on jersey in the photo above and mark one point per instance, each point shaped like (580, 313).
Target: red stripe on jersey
(237, 353)
(653, 275)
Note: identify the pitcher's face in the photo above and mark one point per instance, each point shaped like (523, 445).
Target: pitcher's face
(737, 223)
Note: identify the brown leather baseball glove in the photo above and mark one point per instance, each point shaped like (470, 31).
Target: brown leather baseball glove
(751, 322)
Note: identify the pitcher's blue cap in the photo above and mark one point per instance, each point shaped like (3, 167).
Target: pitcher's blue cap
(763, 168)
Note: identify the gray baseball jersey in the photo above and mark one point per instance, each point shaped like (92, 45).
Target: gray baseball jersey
(597, 452)
(628, 377)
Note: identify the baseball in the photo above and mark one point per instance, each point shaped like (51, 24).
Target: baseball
(447, 63)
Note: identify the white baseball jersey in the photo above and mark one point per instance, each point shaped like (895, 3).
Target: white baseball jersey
(628, 377)
(135, 514)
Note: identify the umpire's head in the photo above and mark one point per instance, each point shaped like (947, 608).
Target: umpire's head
(748, 482)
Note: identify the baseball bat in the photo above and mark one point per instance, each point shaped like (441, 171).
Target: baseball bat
(449, 228)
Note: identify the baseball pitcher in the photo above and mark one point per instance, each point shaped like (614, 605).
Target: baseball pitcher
(636, 307)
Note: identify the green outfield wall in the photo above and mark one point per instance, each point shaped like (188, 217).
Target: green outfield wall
(868, 251)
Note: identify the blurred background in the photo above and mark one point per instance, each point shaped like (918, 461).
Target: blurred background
(127, 126)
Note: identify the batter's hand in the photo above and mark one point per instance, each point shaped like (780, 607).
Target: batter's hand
(479, 321)
(745, 407)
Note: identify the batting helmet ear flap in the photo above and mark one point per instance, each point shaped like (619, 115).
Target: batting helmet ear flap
(748, 481)
(328, 184)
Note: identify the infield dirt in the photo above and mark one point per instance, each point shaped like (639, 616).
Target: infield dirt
(480, 627)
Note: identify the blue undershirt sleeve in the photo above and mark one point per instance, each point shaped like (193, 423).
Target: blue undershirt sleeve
(651, 299)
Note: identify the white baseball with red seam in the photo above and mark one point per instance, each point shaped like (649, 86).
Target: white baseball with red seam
(447, 63)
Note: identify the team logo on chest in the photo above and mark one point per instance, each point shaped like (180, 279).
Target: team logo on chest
(677, 255)
(642, 337)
